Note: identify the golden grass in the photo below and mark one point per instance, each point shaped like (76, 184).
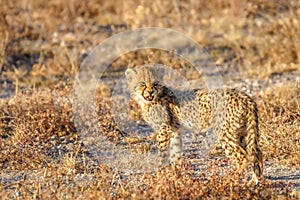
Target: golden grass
(280, 113)
(42, 45)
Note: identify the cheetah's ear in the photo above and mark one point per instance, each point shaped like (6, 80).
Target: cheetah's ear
(130, 73)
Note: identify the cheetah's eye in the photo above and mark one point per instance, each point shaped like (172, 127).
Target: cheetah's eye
(156, 83)
(142, 84)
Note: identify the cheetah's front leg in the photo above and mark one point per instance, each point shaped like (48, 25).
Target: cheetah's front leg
(168, 137)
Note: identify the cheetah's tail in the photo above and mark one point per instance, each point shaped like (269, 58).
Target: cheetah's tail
(252, 147)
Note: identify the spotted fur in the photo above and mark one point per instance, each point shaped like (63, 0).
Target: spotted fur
(231, 113)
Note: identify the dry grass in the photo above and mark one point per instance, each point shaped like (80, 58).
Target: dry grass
(42, 45)
(280, 114)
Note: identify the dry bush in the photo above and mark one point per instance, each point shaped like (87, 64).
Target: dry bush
(280, 123)
(32, 124)
(180, 183)
(42, 45)
(49, 40)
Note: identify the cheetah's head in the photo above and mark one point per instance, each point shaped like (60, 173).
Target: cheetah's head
(144, 83)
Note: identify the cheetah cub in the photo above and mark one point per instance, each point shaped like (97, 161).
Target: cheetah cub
(166, 110)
